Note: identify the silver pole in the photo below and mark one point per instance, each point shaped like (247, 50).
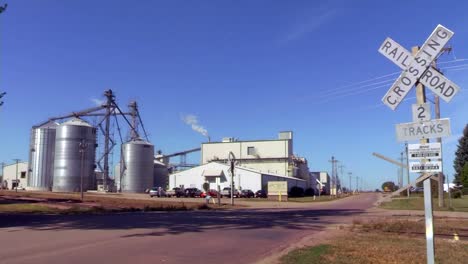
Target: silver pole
(407, 170)
(429, 221)
(82, 146)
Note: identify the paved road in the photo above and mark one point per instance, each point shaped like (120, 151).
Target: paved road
(234, 236)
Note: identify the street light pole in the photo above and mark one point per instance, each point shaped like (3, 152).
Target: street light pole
(82, 148)
(232, 159)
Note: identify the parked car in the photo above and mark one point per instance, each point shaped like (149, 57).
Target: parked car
(261, 194)
(213, 193)
(177, 192)
(192, 192)
(158, 192)
(226, 192)
(417, 189)
(247, 194)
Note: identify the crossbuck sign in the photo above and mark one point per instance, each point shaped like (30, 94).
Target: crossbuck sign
(418, 68)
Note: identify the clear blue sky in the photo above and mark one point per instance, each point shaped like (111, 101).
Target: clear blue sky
(246, 69)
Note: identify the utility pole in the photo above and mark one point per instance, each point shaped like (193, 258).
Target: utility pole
(232, 159)
(357, 184)
(333, 180)
(342, 176)
(401, 173)
(439, 140)
(82, 148)
(16, 160)
(350, 185)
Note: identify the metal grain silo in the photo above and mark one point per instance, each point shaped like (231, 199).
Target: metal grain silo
(69, 162)
(138, 161)
(41, 157)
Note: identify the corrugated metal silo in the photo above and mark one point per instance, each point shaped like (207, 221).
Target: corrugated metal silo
(138, 159)
(41, 157)
(68, 160)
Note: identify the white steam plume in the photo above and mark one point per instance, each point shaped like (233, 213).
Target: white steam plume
(98, 102)
(192, 120)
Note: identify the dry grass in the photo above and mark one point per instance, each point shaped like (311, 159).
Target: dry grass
(97, 203)
(417, 203)
(26, 208)
(386, 242)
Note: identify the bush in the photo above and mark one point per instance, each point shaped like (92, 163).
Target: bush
(309, 192)
(457, 194)
(296, 192)
(465, 191)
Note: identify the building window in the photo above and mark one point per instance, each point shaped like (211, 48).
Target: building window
(250, 150)
(23, 174)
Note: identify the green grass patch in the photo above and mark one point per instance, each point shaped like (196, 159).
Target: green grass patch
(417, 203)
(308, 255)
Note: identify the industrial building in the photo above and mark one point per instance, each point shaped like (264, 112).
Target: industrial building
(15, 175)
(257, 163)
(216, 173)
(267, 156)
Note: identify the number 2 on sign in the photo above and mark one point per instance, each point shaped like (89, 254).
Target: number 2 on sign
(421, 112)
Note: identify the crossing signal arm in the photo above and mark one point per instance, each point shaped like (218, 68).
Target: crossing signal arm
(399, 164)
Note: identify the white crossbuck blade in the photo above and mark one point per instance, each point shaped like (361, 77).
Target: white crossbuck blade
(418, 68)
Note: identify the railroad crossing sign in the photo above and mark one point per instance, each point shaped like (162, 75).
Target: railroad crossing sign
(434, 128)
(418, 68)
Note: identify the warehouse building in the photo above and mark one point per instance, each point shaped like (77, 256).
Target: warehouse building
(12, 179)
(273, 156)
(257, 162)
(216, 173)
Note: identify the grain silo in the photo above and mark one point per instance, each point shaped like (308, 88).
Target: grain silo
(138, 162)
(75, 146)
(41, 157)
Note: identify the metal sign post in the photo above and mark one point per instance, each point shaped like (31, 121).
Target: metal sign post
(417, 70)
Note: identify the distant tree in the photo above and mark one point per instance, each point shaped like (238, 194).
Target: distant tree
(3, 8)
(389, 186)
(461, 160)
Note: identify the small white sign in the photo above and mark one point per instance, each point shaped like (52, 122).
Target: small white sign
(423, 130)
(431, 166)
(277, 188)
(424, 151)
(421, 112)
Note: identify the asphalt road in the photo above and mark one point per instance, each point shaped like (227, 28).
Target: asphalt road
(230, 236)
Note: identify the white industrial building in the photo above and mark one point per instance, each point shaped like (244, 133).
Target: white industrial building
(15, 175)
(218, 173)
(257, 162)
(267, 156)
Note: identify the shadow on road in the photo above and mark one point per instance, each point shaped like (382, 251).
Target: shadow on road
(164, 223)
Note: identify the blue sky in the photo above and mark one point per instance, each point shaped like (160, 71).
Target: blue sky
(245, 69)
